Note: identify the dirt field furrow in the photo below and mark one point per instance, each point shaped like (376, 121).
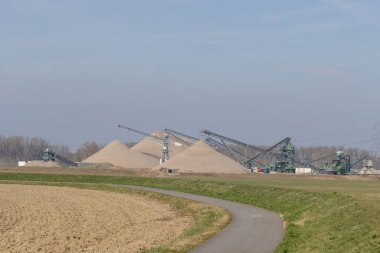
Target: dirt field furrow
(58, 219)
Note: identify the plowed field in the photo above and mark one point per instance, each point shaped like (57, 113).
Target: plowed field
(59, 219)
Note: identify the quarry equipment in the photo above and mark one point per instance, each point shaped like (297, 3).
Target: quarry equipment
(49, 155)
(266, 151)
(176, 134)
(284, 160)
(165, 141)
(323, 157)
(368, 167)
(242, 159)
(340, 166)
(352, 165)
(357, 162)
(317, 169)
(235, 155)
(210, 134)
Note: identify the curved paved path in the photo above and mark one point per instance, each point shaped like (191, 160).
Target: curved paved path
(251, 230)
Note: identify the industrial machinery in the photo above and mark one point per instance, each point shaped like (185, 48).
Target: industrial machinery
(49, 155)
(284, 160)
(235, 155)
(342, 165)
(317, 169)
(368, 167)
(356, 168)
(164, 140)
(224, 139)
(176, 135)
(219, 142)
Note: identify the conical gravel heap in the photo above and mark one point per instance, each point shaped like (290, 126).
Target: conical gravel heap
(152, 147)
(118, 154)
(201, 158)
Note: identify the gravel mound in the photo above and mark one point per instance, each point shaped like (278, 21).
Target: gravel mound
(153, 148)
(201, 158)
(118, 154)
(37, 163)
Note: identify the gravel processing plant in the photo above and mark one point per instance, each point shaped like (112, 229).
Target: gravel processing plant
(169, 151)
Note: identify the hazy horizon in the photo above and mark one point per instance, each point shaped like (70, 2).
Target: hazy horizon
(251, 70)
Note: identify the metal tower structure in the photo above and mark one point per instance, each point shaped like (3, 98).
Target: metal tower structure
(285, 160)
(342, 165)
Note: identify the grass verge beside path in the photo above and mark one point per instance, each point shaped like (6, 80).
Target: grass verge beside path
(316, 221)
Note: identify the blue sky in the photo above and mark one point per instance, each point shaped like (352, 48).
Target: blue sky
(257, 71)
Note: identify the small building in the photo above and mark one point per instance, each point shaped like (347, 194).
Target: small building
(21, 163)
(171, 171)
(304, 171)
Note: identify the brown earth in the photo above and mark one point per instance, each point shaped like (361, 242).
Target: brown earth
(118, 154)
(201, 158)
(58, 219)
(37, 163)
(101, 171)
(153, 147)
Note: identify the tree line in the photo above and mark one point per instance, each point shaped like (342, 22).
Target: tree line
(18, 148)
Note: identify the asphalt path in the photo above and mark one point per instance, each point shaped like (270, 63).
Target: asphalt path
(251, 230)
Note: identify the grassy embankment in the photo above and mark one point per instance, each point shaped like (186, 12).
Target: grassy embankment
(324, 215)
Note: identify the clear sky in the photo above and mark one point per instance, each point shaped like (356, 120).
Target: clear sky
(258, 71)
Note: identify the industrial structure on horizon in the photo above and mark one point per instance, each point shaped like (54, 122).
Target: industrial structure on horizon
(279, 158)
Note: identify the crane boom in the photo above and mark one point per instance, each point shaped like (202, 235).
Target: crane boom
(209, 133)
(358, 161)
(322, 158)
(165, 141)
(181, 134)
(140, 132)
(234, 154)
(286, 140)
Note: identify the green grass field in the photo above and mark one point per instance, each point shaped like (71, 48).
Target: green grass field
(322, 215)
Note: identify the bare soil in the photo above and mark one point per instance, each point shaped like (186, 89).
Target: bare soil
(101, 171)
(59, 219)
(48, 164)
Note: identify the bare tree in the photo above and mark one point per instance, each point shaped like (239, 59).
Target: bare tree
(87, 149)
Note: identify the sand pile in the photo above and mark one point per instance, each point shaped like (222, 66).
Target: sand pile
(118, 154)
(153, 148)
(37, 163)
(201, 158)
